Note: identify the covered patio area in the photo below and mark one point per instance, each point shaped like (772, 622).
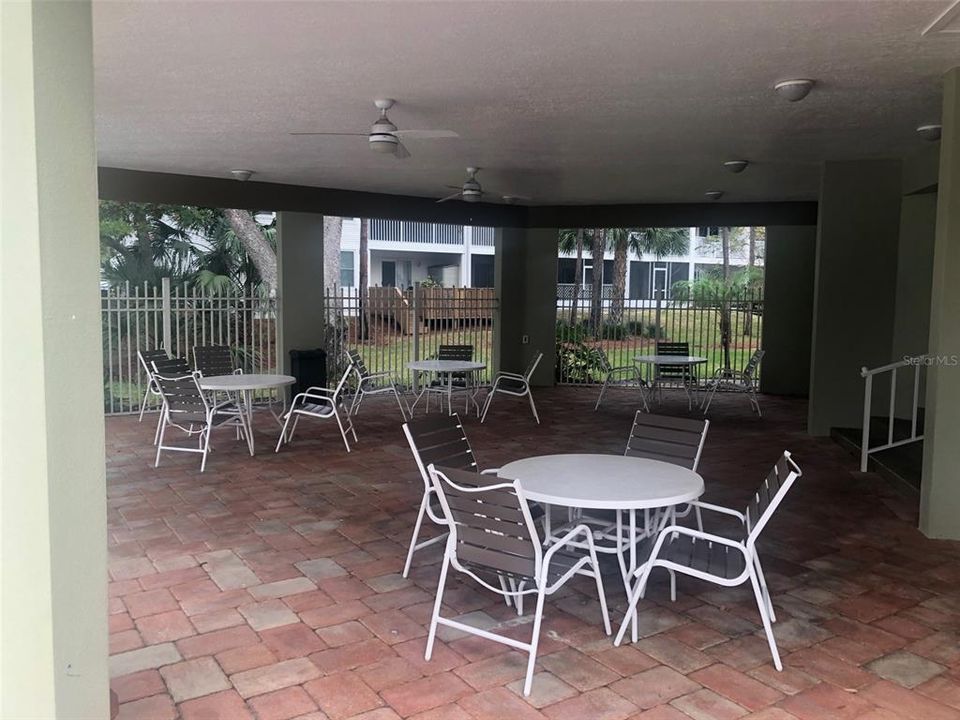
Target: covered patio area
(270, 587)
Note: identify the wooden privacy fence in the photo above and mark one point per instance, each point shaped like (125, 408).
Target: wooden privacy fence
(430, 306)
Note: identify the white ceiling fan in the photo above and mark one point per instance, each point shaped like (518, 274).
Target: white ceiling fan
(472, 192)
(384, 137)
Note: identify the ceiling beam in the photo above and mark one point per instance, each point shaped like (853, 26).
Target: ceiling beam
(166, 188)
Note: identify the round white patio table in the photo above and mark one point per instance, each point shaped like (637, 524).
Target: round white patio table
(246, 384)
(654, 360)
(449, 367)
(592, 481)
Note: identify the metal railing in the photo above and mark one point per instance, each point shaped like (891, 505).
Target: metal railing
(177, 318)
(426, 233)
(391, 327)
(868, 375)
(634, 328)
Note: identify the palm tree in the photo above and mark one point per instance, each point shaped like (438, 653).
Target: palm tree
(619, 238)
(598, 245)
(364, 242)
(572, 241)
(660, 242)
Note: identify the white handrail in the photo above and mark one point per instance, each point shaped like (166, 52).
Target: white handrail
(868, 374)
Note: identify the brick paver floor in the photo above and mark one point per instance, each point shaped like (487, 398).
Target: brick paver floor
(270, 587)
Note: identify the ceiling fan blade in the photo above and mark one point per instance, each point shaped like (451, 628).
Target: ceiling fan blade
(450, 197)
(454, 187)
(330, 133)
(427, 134)
(402, 153)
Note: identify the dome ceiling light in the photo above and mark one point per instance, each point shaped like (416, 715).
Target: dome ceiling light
(794, 90)
(736, 166)
(930, 133)
(241, 175)
(713, 194)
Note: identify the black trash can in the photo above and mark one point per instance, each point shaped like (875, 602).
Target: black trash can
(309, 367)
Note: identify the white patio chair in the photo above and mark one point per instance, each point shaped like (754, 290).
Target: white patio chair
(514, 384)
(623, 376)
(492, 536)
(168, 367)
(445, 384)
(323, 403)
(186, 407)
(369, 383)
(717, 559)
(146, 358)
(743, 381)
(440, 440)
(682, 374)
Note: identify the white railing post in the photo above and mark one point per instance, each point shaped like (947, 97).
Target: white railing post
(867, 399)
(166, 312)
(416, 333)
(893, 403)
(916, 400)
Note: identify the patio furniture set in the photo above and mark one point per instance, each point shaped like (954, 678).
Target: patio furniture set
(500, 529)
(215, 393)
(672, 365)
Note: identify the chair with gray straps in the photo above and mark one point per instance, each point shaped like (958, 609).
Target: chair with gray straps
(210, 360)
(369, 383)
(492, 537)
(516, 385)
(146, 358)
(624, 376)
(718, 559)
(742, 381)
(322, 403)
(682, 374)
(187, 408)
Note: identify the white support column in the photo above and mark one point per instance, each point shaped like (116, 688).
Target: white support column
(466, 269)
(53, 526)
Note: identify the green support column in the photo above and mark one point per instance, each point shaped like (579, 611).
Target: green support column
(855, 286)
(300, 294)
(940, 486)
(525, 270)
(53, 529)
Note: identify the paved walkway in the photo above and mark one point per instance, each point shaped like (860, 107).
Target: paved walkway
(269, 587)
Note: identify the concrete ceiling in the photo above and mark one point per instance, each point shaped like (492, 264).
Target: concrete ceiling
(586, 102)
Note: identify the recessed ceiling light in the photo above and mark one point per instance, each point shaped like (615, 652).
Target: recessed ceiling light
(241, 175)
(713, 194)
(930, 133)
(736, 166)
(794, 90)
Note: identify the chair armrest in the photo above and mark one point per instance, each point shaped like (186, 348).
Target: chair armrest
(370, 376)
(238, 371)
(313, 396)
(690, 532)
(315, 389)
(624, 368)
(566, 539)
(219, 406)
(718, 509)
(490, 471)
(514, 376)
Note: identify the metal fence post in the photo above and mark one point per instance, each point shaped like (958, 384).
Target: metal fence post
(166, 312)
(416, 333)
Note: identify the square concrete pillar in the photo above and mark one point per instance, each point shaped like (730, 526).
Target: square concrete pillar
(940, 484)
(300, 295)
(53, 529)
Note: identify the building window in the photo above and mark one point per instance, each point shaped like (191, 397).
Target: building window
(346, 268)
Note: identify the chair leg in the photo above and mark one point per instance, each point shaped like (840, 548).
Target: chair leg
(486, 404)
(603, 389)
(354, 405)
(206, 445)
(143, 404)
(534, 642)
(709, 398)
(403, 413)
(637, 593)
(283, 432)
(765, 617)
(503, 586)
(416, 534)
(533, 406)
(436, 607)
(696, 509)
(163, 429)
(600, 593)
(156, 433)
(766, 590)
(343, 432)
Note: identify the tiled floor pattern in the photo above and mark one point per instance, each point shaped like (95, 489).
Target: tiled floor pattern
(270, 587)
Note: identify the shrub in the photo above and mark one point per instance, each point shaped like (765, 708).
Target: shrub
(576, 362)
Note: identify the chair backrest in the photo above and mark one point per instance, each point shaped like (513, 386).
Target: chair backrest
(491, 529)
(667, 347)
(213, 360)
(671, 439)
(439, 440)
(170, 367)
(338, 390)
(532, 367)
(455, 352)
(146, 358)
(356, 360)
(766, 500)
(181, 396)
(753, 363)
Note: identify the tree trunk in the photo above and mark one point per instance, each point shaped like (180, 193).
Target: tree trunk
(725, 298)
(597, 247)
(751, 259)
(577, 276)
(364, 241)
(619, 277)
(332, 230)
(255, 243)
